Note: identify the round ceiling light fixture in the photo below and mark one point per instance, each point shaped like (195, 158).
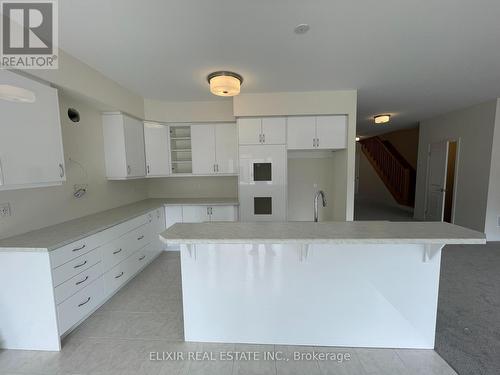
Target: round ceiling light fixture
(301, 28)
(16, 94)
(224, 83)
(382, 119)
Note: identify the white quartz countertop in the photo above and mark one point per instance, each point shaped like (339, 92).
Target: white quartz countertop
(55, 236)
(354, 232)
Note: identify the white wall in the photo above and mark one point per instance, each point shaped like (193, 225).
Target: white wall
(492, 228)
(473, 127)
(209, 111)
(311, 103)
(193, 187)
(40, 207)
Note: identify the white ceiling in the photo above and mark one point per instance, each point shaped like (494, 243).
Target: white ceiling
(413, 58)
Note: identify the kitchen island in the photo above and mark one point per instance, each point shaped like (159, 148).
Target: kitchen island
(356, 284)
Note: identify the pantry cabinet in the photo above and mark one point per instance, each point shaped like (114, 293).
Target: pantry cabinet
(31, 150)
(317, 132)
(123, 146)
(214, 149)
(157, 147)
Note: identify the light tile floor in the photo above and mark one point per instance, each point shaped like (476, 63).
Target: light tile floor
(146, 317)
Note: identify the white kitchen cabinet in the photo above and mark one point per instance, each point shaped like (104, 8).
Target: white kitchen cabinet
(123, 146)
(173, 214)
(157, 147)
(331, 132)
(31, 150)
(301, 132)
(317, 132)
(203, 149)
(266, 130)
(223, 213)
(195, 214)
(214, 149)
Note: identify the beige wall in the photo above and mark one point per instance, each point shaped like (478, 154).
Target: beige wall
(210, 111)
(406, 142)
(314, 103)
(193, 187)
(473, 128)
(40, 207)
(77, 77)
(492, 227)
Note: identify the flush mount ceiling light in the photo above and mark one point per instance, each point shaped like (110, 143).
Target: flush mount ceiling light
(301, 29)
(223, 83)
(382, 119)
(358, 139)
(16, 94)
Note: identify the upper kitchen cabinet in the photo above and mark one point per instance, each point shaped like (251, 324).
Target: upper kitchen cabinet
(31, 149)
(123, 146)
(317, 132)
(214, 149)
(266, 130)
(157, 143)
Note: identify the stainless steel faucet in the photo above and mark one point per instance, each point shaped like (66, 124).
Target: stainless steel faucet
(323, 198)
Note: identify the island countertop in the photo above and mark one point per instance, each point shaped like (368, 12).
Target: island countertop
(353, 232)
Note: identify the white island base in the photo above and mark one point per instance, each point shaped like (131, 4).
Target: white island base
(355, 284)
(367, 295)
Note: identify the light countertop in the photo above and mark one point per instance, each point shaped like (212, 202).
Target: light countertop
(55, 236)
(354, 232)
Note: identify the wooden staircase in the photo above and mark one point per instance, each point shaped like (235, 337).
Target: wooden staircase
(395, 172)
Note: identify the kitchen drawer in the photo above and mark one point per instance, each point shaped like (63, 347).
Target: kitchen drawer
(81, 304)
(140, 258)
(140, 237)
(78, 282)
(115, 252)
(75, 266)
(117, 276)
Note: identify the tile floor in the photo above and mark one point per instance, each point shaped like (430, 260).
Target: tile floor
(146, 317)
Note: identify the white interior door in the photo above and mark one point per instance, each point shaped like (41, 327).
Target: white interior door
(331, 132)
(249, 131)
(157, 149)
(134, 147)
(436, 181)
(274, 130)
(203, 149)
(226, 148)
(301, 131)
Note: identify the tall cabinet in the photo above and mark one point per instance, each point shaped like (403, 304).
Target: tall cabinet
(157, 142)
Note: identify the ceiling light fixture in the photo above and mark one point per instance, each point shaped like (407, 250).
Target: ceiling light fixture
(301, 29)
(382, 119)
(224, 83)
(357, 139)
(16, 94)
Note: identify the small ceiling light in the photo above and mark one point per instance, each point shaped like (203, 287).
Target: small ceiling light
(382, 119)
(225, 83)
(16, 94)
(357, 139)
(301, 29)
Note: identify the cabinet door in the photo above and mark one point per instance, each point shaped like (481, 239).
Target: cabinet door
(331, 132)
(274, 130)
(30, 136)
(203, 149)
(249, 131)
(301, 132)
(156, 139)
(195, 214)
(226, 148)
(134, 147)
(173, 215)
(223, 213)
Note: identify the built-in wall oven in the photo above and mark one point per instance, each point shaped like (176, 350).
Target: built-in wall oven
(262, 183)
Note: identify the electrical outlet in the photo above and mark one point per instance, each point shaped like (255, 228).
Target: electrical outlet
(4, 210)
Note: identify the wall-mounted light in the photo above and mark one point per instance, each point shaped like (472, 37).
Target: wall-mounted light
(382, 119)
(16, 94)
(225, 83)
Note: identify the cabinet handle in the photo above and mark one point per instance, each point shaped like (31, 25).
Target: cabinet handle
(61, 167)
(117, 251)
(208, 211)
(214, 167)
(80, 265)
(129, 169)
(211, 211)
(141, 258)
(118, 276)
(84, 303)
(82, 281)
(140, 238)
(79, 248)
(217, 165)
(147, 168)
(317, 142)
(264, 138)
(314, 142)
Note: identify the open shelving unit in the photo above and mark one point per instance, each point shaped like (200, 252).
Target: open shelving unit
(180, 149)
